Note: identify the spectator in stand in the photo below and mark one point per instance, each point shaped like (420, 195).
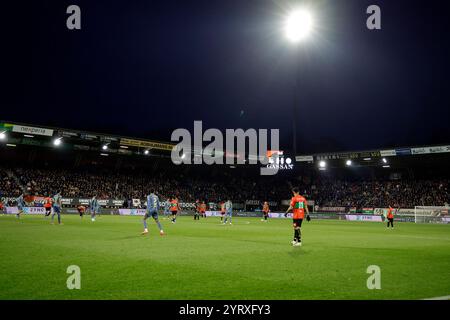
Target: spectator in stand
(81, 183)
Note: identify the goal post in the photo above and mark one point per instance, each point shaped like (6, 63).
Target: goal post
(431, 214)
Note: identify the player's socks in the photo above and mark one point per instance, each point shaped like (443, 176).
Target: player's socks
(297, 236)
(159, 225)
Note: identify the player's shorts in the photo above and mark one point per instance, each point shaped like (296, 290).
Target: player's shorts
(174, 212)
(48, 209)
(297, 222)
(57, 209)
(265, 214)
(20, 208)
(152, 213)
(222, 213)
(390, 219)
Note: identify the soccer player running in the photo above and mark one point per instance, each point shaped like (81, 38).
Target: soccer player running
(81, 210)
(56, 202)
(390, 216)
(20, 204)
(94, 207)
(174, 207)
(298, 206)
(265, 211)
(48, 206)
(228, 211)
(152, 211)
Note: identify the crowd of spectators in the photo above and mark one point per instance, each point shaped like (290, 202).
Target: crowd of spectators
(188, 188)
(8, 185)
(87, 183)
(380, 194)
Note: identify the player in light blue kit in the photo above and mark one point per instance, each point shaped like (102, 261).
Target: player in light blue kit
(20, 205)
(56, 203)
(152, 211)
(228, 211)
(94, 207)
(167, 209)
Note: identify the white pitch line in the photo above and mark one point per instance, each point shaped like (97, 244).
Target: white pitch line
(439, 298)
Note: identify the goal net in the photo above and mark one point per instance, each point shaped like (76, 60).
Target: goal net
(428, 214)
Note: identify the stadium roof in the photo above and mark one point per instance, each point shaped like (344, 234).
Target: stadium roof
(44, 136)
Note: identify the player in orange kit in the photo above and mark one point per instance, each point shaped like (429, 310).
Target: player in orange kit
(390, 216)
(203, 209)
(48, 206)
(298, 206)
(174, 208)
(265, 211)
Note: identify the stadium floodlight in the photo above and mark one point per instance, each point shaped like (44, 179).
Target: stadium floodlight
(3, 135)
(57, 142)
(105, 147)
(384, 160)
(298, 25)
(348, 163)
(146, 152)
(322, 164)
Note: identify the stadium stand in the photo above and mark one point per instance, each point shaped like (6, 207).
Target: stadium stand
(326, 192)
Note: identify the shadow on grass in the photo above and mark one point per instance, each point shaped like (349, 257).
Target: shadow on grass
(297, 251)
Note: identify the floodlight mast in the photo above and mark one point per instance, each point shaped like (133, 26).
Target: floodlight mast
(297, 28)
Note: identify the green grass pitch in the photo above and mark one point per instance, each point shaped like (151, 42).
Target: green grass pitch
(205, 260)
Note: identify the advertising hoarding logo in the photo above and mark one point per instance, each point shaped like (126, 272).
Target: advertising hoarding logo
(277, 161)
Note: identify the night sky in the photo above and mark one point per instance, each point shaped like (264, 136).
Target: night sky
(144, 68)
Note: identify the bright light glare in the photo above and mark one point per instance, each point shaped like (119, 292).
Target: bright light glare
(2, 135)
(322, 164)
(298, 25)
(348, 163)
(146, 152)
(57, 142)
(183, 156)
(384, 160)
(105, 147)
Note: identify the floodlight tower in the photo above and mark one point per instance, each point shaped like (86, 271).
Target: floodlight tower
(297, 28)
